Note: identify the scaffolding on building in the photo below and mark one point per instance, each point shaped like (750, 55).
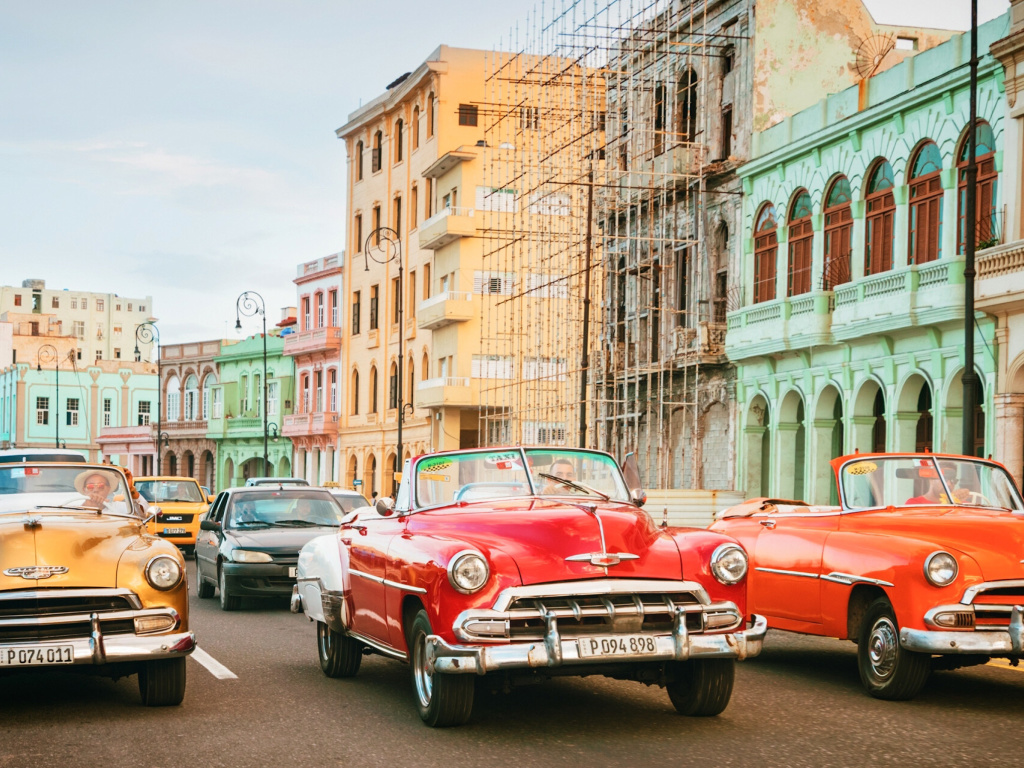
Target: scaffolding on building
(598, 309)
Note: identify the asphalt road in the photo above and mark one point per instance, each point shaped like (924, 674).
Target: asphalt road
(799, 704)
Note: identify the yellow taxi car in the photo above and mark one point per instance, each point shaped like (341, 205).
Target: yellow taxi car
(83, 586)
(181, 502)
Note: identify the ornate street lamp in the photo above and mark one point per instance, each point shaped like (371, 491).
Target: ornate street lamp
(273, 431)
(250, 304)
(46, 354)
(388, 244)
(148, 333)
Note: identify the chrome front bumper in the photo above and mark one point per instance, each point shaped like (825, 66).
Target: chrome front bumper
(983, 642)
(555, 651)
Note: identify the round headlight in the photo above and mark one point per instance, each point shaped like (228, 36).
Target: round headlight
(729, 563)
(247, 556)
(163, 572)
(940, 568)
(468, 572)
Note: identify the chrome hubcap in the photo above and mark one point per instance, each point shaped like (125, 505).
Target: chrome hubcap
(424, 680)
(882, 647)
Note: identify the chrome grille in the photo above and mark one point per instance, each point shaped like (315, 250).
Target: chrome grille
(993, 602)
(601, 614)
(62, 614)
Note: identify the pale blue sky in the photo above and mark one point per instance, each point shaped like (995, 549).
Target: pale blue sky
(186, 149)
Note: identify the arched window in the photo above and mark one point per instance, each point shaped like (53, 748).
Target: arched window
(318, 387)
(414, 128)
(986, 228)
(208, 384)
(881, 207)
(332, 382)
(926, 205)
(375, 156)
(359, 161)
(393, 387)
(191, 398)
(373, 390)
(371, 475)
(399, 126)
(838, 234)
(173, 398)
(412, 382)
(257, 393)
(800, 235)
(686, 107)
(305, 393)
(430, 114)
(766, 247)
(355, 393)
(320, 309)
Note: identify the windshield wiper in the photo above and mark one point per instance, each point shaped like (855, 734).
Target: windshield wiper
(577, 485)
(301, 524)
(253, 524)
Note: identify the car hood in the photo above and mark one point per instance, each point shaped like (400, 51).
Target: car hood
(181, 507)
(993, 538)
(277, 540)
(89, 545)
(540, 534)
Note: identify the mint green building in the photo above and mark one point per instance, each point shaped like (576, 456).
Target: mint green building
(236, 411)
(850, 335)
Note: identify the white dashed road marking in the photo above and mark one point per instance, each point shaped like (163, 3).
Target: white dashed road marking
(213, 666)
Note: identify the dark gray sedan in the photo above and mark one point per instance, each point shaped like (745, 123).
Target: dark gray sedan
(249, 540)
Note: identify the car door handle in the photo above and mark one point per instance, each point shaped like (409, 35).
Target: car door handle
(768, 523)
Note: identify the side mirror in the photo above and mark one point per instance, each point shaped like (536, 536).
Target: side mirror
(209, 525)
(209, 499)
(385, 506)
(638, 497)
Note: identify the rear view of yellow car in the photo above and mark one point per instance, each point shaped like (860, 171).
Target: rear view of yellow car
(83, 586)
(181, 502)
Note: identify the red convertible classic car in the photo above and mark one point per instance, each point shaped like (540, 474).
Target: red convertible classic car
(920, 565)
(525, 563)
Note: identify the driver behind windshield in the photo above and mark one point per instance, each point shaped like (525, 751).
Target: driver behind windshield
(95, 487)
(563, 469)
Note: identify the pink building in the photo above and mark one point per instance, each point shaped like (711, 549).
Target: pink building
(315, 345)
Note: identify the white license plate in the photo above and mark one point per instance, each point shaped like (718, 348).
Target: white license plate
(29, 656)
(601, 646)
(175, 531)
(291, 572)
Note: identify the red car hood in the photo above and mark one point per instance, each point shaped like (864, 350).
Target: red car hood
(993, 538)
(540, 534)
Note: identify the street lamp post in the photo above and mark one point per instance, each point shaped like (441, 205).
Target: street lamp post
(389, 243)
(50, 353)
(146, 333)
(250, 304)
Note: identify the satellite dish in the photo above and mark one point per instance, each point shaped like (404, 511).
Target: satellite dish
(870, 53)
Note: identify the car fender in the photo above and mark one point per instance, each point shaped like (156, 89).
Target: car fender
(323, 570)
(696, 545)
(893, 564)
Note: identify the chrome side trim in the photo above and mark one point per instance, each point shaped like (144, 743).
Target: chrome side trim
(387, 582)
(787, 573)
(598, 587)
(972, 592)
(387, 650)
(849, 578)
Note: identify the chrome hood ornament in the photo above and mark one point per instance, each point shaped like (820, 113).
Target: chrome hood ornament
(604, 558)
(36, 572)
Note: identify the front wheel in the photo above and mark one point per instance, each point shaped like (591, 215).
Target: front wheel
(228, 602)
(442, 700)
(162, 682)
(339, 654)
(701, 688)
(887, 670)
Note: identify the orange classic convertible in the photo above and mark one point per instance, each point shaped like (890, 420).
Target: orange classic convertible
(921, 565)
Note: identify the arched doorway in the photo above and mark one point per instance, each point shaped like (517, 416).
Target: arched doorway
(390, 468)
(284, 467)
(915, 427)
(206, 474)
(828, 442)
(228, 478)
(715, 465)
(188, 461)
(868, 424)
(791, 454)
(756, 448)
(351, 473)
(370, 481)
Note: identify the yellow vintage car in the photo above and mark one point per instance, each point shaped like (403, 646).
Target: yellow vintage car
(82, 584)
(181, 501)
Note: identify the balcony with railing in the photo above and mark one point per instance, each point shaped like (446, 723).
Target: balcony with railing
(775, 326)
(445, 392)
(313, 340)
(1000, 278)
(444, 309)
(446, 226)
(309, 424)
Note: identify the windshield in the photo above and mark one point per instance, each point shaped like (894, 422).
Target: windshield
(479, 475)
(926, 480)
(285, 509)
(27, 487)
(156, 491)
(350, 501)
